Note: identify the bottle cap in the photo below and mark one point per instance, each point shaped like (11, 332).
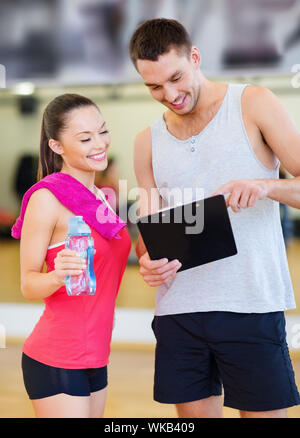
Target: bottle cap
(77, 227)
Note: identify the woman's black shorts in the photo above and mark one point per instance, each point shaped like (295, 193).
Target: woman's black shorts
(44, 381)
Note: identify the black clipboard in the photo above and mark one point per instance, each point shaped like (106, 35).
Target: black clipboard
(170, 233)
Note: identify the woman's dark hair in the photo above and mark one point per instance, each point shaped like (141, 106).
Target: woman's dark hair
(156, 37)
(53, 123)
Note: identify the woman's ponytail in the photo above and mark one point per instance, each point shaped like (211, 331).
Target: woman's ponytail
(54, 121)
(49, 161)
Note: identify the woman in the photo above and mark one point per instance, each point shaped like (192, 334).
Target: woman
(65, 358)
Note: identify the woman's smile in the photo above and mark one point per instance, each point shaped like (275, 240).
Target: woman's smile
(98, 157)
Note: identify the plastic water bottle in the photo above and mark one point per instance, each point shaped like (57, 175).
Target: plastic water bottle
(79, 239)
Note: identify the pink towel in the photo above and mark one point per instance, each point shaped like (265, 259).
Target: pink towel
(77, 198)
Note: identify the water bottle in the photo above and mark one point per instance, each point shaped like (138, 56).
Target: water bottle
(79, 239)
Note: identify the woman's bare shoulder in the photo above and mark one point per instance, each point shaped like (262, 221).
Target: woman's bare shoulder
(43, 203)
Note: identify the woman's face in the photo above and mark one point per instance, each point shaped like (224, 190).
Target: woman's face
(85, 140)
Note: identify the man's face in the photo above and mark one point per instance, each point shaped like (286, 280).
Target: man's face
(173, 80)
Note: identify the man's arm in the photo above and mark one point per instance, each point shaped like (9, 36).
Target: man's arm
(283, 138)
(149, 197)
(155, 272)
(140, 247)
(286, 191)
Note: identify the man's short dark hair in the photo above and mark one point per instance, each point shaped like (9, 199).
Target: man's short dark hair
(156, 37)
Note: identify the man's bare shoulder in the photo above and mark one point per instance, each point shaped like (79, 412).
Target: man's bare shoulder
(143, 157)
(143, 137)
(143, 146)
(257, 98)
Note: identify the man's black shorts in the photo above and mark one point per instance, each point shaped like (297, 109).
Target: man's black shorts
(246, 353)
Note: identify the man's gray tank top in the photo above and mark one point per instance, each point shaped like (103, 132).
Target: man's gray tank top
(256, 279)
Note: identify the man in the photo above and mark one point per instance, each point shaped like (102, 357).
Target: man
(221, 323)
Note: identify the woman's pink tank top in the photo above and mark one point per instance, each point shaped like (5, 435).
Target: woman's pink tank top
(75, 332)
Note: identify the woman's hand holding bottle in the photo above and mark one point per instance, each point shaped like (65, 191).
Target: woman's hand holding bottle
(68, 262)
